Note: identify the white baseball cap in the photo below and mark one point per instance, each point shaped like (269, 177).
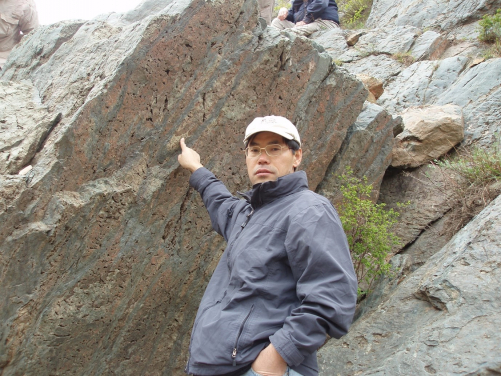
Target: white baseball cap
(275, 124)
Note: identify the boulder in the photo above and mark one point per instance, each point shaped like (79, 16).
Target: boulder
(429, 132)
(105, 251)
(453, 304)
(373, 85)
(353, 37)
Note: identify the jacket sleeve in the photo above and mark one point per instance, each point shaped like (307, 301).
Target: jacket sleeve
(326, 284)
(315, 9)
(222, 206)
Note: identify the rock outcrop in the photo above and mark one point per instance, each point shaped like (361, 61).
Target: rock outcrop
(427, 56)
(105, 250)
(448, 305)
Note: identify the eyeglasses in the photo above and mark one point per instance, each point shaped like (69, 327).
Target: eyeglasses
(272, 150)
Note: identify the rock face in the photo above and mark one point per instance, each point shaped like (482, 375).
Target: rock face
(429, 132)
(24, 125)
(426, 67)
(367, 146)
(427, 56)
(450, 303)
(443, 14)
(106, 251)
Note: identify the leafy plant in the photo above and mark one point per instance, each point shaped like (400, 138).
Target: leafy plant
(368, 227)
(354, 13)
(490, 28)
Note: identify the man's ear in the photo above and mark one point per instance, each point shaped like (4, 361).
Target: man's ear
(298, 156)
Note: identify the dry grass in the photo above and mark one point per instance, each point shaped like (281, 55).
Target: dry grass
(471, 179)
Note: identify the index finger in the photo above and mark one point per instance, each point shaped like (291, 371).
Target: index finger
(182, 143)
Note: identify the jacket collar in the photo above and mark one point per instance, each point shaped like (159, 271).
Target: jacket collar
(264, 193)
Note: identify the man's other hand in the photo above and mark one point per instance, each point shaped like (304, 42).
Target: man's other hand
(269, 363)
(188, 158)
(300, 23)
(282, 14)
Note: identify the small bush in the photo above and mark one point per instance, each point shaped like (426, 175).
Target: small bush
(368, 227)
(354, 13)
(476, 167)
(490, 28)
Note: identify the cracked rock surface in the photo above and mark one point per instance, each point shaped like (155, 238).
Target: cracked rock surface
(441, 320)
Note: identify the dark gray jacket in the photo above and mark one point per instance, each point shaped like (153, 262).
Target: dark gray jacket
(311, 10)
(286, 276)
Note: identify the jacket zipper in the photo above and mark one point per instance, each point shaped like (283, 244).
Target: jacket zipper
(234, 352)
(246, 221)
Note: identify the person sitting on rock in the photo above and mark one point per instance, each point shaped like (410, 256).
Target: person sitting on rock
(286, 278)
(307, 16)
(266, 9)
(17, 18)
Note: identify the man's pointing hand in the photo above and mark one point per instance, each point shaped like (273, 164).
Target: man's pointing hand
(188, 158)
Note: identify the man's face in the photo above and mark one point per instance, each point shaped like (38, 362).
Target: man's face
(265, 168)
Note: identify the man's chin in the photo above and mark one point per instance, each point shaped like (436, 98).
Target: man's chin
(263, 179)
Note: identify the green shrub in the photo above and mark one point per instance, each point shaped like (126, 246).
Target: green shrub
(354, 13)
(368, 227)
(490, 28)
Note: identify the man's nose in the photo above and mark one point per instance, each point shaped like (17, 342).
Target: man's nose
(263, 157)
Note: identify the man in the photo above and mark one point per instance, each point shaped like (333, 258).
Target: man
(17, 17)
(307, 16)
(286, 278)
